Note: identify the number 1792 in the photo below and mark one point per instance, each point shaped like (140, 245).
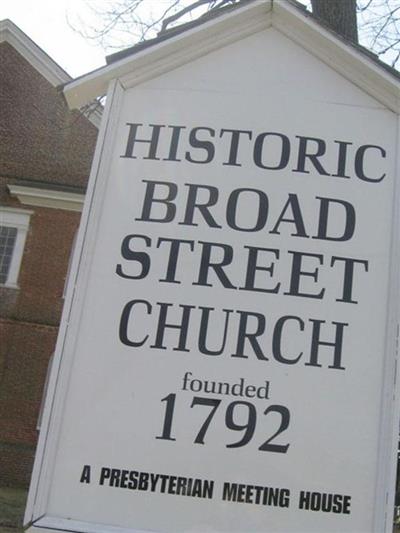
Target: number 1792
(246, 411)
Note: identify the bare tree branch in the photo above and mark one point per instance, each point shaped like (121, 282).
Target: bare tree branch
(182, 12)
(379, 23)
(121, 23)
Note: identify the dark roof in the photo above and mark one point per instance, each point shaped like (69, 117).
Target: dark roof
(214, 13)
(176, 30)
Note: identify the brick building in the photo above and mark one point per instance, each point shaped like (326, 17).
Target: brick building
(45, 157)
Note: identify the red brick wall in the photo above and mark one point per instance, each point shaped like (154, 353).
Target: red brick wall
(25, 352)
(16, 463)
(44, 266)
(41, 141)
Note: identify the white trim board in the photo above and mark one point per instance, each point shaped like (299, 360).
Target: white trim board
(38, 197)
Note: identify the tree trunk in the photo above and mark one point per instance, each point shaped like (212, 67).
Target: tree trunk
(339, 15)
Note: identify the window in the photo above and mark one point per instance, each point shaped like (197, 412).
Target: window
(14, 225)
(8, 236)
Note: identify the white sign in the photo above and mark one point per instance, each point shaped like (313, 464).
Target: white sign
(226, 352)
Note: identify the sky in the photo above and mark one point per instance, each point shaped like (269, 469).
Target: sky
(45, 22)
(48, 23)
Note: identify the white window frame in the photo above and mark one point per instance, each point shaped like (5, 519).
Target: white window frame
(19, 219)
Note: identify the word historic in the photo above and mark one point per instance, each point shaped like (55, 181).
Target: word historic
(268, 150)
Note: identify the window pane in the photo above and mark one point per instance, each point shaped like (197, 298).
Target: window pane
(8, 237)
